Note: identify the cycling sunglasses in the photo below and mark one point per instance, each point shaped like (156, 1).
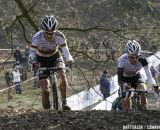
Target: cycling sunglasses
(49, 33)
(134, 57)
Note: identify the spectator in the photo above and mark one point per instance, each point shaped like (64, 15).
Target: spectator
(16, 63)
(96, 44)
(23, 73)
(106, 42)
(105, 84)
(110, 50)
(20, 68)
(26, 52)
(26, 55)
(8, 79)
(154, 73)
(16, 80)
(17, 54)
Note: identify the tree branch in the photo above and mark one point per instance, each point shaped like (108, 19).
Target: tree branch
(114, 30)
(26, 15)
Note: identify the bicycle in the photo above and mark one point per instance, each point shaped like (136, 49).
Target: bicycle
(55, 98)
(136, 106)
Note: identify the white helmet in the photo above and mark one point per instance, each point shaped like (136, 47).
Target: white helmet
(133, 47)
(49, 23)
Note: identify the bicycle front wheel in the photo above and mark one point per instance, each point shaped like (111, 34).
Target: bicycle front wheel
(55, 96)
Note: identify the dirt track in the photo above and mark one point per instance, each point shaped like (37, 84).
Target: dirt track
(76, 120)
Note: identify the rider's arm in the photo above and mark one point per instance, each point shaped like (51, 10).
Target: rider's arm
(150, 79)
(66, 53)
(33, 50)
(144, 63)
(120, 75)
(120, 69)
(63, 45)
(34, 44)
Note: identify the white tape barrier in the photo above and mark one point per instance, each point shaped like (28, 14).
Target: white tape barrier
(106, 105)
(7, 60)
(84, 99)
(89, 97)
(2, 90)
(10, 49)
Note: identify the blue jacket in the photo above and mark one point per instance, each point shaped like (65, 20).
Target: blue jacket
(105, 84)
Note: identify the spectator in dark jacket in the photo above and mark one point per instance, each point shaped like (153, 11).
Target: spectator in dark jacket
(17, 54)
(26, 52)
(105, 84)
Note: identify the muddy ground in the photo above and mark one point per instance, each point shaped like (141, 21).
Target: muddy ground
(77, 120)
(25, 118)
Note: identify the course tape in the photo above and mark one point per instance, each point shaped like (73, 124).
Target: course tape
(2, 90)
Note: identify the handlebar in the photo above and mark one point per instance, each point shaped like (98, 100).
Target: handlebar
(54, 68)
(137, 90)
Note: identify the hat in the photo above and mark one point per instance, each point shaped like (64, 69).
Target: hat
(105, 72)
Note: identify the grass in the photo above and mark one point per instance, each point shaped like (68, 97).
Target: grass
(29, 98)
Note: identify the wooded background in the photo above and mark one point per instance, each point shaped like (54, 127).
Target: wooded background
(96, 31)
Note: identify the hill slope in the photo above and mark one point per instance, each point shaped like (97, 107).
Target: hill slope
(78, 120)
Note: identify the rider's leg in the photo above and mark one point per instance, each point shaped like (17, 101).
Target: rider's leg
(63, 89)
(45, 93)
(144, 101)
(127, 104)
(63, 85)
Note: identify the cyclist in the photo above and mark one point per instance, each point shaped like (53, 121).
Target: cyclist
(44, 50)
(128, 67)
